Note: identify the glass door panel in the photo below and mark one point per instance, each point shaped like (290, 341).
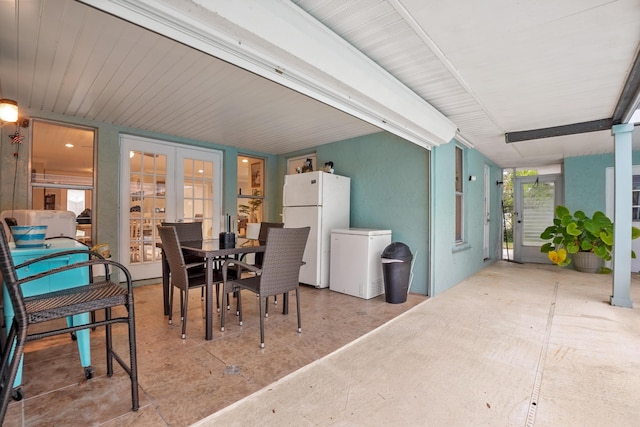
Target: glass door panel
(198, 193)
(535, 200)
(166, 182)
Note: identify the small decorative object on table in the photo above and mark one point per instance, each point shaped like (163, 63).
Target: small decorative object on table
(29, 236)
(227, 237)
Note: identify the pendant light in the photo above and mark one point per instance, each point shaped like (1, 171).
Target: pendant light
(8, 110)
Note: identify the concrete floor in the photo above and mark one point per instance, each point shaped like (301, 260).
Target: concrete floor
(515, 345)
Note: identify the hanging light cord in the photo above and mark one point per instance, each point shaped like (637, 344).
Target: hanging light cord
(15, 176)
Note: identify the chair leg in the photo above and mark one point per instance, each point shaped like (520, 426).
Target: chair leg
(239, 307)
(184, 312)
(10, 368)
(217, 296)
(133, 359)
(171, 305)
(225, 300)
(298, 310)
(261, 323)
(109, 340)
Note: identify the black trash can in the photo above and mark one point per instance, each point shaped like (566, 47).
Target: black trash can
(396, 270)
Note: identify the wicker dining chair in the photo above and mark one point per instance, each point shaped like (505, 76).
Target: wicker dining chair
(100, 295)
(263, 234)
(279, 273)
(180, 273)
(192, 232)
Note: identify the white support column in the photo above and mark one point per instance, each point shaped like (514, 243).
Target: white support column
(621, 294)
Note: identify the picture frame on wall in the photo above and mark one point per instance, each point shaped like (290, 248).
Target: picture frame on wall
(256, 175)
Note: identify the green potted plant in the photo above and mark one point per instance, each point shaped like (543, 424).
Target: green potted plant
(576, 236)
(251, 207)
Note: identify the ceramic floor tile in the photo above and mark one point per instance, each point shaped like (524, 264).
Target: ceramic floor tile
(183, 381)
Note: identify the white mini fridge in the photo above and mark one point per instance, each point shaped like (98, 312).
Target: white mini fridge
(59, 223)
(356, 268)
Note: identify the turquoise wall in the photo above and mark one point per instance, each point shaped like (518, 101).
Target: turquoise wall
(453, 263)
(108, 172)
(393, 183)
(585, 181)
(389, 190)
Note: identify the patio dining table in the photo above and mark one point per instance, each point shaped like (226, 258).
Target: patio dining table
(211, 252)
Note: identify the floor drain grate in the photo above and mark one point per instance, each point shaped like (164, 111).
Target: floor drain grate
(535, 393)
(232, 370)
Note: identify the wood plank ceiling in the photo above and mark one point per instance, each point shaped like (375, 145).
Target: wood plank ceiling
(490, 67)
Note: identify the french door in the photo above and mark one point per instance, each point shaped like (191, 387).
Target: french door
(535, 200)
(161, 182)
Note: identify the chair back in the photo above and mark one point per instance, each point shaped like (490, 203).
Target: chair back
(282, 260)
(264, 230)
(263, 234)
(10, 278)
(12, 347)
(187, 231)
(173, 253)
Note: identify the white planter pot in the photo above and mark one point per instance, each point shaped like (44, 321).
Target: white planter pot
(587, 262)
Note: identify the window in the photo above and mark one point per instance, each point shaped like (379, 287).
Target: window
(250, 192)
(635, 194)
(62, 165)
(294, 164)
(459, 190)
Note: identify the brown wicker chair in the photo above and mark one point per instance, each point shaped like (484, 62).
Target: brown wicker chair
(100, 295)
(279, 273)
(181, 277)
(263, 234)
(191, 232)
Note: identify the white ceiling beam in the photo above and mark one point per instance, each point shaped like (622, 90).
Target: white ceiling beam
(279, 41)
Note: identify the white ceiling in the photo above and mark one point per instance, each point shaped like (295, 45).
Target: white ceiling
(489, 67)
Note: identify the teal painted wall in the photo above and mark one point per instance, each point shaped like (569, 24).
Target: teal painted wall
(453, 263)
(389, 190)
(392, 184)
(585, 181)
(108, 172)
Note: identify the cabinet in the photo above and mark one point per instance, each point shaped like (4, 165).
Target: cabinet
(64, 280)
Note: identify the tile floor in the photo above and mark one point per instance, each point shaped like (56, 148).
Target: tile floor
(183, 381)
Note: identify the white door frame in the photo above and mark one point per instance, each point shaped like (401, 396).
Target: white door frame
(522, 253)
(487, 213)
(173, 190)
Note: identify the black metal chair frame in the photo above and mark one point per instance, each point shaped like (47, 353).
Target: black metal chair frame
(101, 295)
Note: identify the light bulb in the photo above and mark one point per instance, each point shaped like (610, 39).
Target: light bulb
(8, 110)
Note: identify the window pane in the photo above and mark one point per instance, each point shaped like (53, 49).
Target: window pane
(459, 170)
(250, 192)
(458, 218)
(63, 155)
(538, 211)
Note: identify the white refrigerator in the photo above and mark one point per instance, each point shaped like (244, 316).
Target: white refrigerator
(321, 201)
